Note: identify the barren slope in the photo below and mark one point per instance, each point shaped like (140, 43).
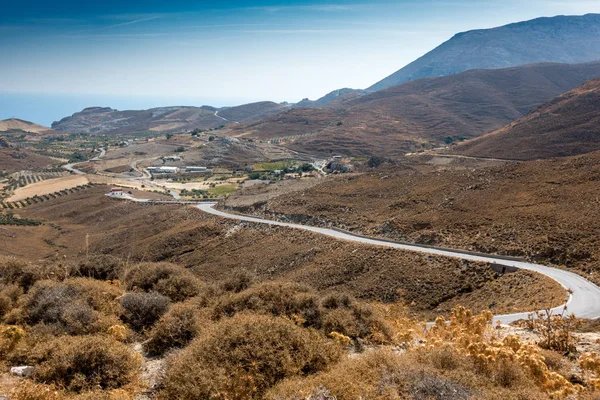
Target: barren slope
(544, 210)
(568, 125)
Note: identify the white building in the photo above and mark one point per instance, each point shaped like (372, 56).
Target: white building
(163, 170)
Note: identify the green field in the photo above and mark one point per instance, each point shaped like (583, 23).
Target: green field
(222, 190)
(273, 166)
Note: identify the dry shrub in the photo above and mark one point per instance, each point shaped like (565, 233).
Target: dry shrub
(378, 374)
(278, 299)
(75, 306)
(239, 281)
(10, 337)
(334, 313)
(168, 279)
(507, 360)
(243, 356)
(9, 294)
(102, 266)
(175, 329)
(88, 363)
(555, 330)
(25, 275)
(28, 390)
(142, 310)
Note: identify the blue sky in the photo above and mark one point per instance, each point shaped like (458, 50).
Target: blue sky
(135, 54)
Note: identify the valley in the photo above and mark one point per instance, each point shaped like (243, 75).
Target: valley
(432, 236)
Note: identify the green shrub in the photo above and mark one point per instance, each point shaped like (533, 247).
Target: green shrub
(170, 280)
(243, 356)
(142, 310)
(86, 363)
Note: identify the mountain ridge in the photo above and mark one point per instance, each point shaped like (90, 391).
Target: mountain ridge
(564, 39)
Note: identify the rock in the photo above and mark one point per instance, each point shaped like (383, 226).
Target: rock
(22, 371)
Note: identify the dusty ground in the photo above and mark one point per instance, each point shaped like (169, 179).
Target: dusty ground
(214, 248)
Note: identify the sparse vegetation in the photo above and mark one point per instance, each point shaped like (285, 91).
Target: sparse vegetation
(142, 310)
(244, 356)
(170, 280)
(87, 363)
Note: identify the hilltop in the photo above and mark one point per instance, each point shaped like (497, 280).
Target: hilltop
(563, 39)
(13, 125)
(567, 125)
(422, 114)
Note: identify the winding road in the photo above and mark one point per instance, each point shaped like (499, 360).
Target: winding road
(584, 299)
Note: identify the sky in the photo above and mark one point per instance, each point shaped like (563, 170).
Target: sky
(59, 57)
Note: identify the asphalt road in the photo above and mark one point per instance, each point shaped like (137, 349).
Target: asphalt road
(584, 300)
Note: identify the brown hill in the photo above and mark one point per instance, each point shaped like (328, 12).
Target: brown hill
(13, 160)
(162, 119)
(423, 113)
(214, 248)
(544, 210)
(566, 126)
(18, 125)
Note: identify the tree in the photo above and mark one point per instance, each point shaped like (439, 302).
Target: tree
(169, 136)
(211, 138)
(449, 140)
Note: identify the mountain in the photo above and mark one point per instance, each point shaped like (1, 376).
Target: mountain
(563, 39)
(567, 125)
(18, 125)
(339, 95)
(423, 113)
(106, 120)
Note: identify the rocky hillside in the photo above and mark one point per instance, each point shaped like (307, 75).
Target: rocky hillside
(564, 39)
(567, 125)
(545, 210)
(162, 119)
(423, 113)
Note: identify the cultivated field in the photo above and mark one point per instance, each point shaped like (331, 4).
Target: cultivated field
(48, 186)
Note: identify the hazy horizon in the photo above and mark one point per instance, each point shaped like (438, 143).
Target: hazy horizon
(131, 55)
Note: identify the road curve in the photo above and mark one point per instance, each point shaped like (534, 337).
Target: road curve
(584, 300)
